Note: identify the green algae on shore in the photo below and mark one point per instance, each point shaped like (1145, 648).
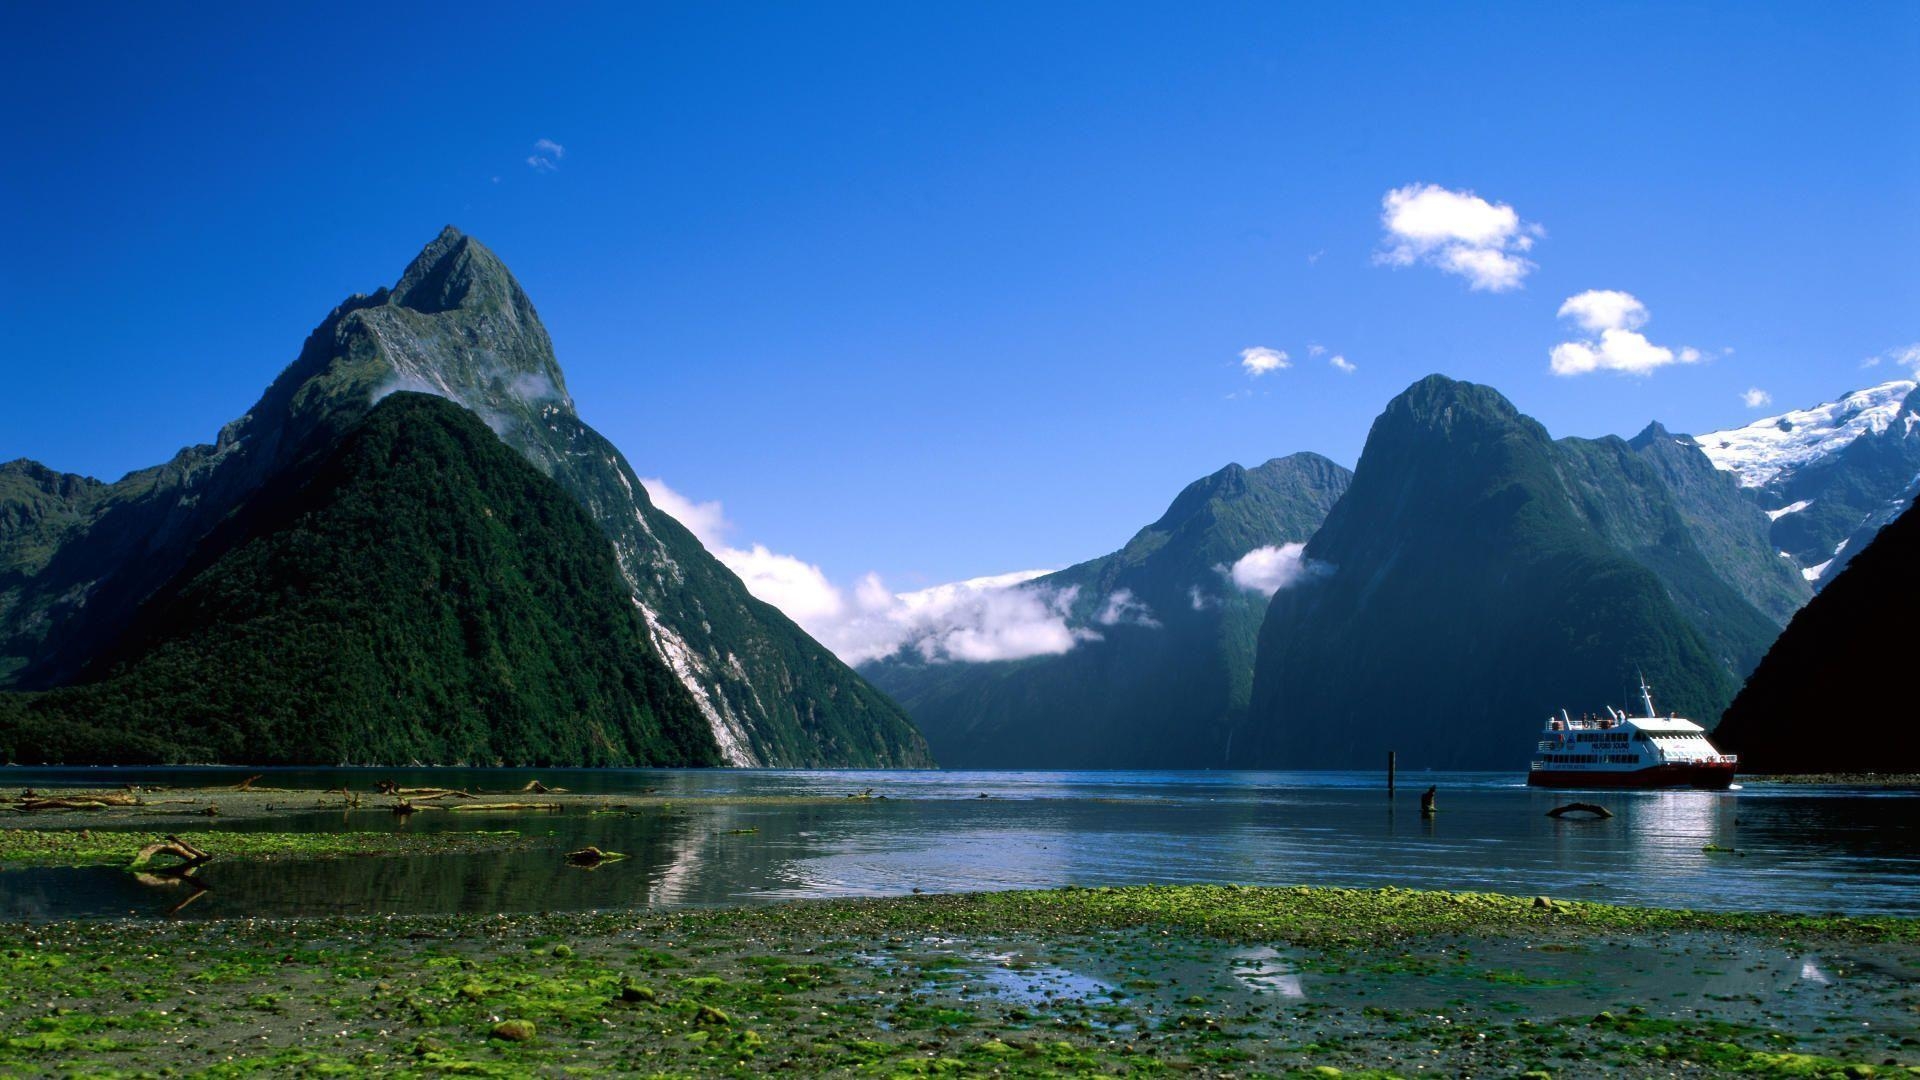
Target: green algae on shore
(1140, 981)
(64, 847)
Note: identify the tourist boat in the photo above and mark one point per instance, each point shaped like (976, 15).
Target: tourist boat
(1621, 751)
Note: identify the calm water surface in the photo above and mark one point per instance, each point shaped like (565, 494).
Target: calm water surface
(1799, 848)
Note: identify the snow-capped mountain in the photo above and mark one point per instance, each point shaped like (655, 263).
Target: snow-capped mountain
(1829, 476)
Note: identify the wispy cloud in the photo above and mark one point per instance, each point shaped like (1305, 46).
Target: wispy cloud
(1756, 398)
(1907, 356)
(546, 155)
(1125, 609)
(1457, 232)
(1342, 364)
(1260, 360)
(1613, 342)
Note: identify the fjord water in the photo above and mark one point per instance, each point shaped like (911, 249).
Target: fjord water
(798, 834)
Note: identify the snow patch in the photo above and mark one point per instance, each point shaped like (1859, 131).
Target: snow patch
(1790, 508)
(1761, 451)
(1812, 573)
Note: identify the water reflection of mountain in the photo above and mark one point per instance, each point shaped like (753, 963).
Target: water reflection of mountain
(1800, 850)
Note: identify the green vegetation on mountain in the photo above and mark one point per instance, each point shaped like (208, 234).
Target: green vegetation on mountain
(423, 594)
(1166, 682)
(1471, 594)
(1661, 501)
(76, 566)
(1841, 662)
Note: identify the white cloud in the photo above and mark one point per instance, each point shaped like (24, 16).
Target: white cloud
(1605, 309)
(1458, 232)
(705, 520)
(1316, 349)
(1199, 600)
(795, 586)
(1342, 364)
(1124, 608)
(1757, 398)
(1267, 570)
(981, 619)
(1612, 320)
(546, 155)
(1259, 360)
(973, 621)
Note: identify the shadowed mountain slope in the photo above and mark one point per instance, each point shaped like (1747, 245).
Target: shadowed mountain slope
(422, 595)
(1165, 682)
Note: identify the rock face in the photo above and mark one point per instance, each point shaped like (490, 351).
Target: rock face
(1164, 674)
(417, 593)
(1831, 694)
(458, 326)
(1830, 476)
(1483, 575)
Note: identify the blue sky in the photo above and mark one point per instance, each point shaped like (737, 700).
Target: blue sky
(940, 291)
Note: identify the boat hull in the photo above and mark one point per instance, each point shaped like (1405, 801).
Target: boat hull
(1712, 777)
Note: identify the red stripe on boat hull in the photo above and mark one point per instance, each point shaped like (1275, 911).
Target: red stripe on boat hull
(1708, 777)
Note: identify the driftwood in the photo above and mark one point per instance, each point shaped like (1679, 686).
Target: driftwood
(388, 787)
(89, 802)
(172, 845)
(1580, 808)
(507, 806)
(247, 784)
(535, 787)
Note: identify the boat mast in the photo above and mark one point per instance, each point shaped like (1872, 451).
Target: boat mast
(1646, 694)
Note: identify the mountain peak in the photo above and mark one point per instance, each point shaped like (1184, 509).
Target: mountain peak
(456, 271)
(1444, 408)
(1224, 483)
(1774, 446)
(1655, 432)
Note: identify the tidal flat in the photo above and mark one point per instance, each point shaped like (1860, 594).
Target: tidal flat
(1149, 980)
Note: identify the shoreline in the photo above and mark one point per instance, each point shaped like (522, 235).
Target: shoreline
(1214, 980)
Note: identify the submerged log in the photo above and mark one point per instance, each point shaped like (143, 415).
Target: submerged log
(1580, 808)
(592, 856)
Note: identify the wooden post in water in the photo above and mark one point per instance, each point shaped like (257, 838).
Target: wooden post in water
(1389, 772)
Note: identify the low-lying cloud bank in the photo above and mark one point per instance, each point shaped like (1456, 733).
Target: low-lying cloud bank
(981, 619)
(1001, 617)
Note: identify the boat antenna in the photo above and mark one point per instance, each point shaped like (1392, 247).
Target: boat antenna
(1646, 693)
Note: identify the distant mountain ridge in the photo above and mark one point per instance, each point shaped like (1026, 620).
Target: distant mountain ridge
(77, 558)
(417, 593)
(1485, 575)
(1165, 684)
(1830, 476)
